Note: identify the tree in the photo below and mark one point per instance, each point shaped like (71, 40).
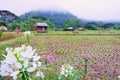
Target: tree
(72, 23)
(91, 26)
(108, 25)
(116, 27)
(59, 19)
(28, 24)
(3, 23)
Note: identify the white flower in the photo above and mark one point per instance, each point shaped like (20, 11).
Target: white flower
(34, 65)
(36, 58)
(25, 64)
(66, 70)
(8, 49)
(39, 64)
(8, 66)
(118, 76)
(14, 75)
(20, 58)
(10, 59)
(15, 51)
(18, 65)
(40, 74)
(66, 75)
(28, 53)
(27, 32)
(5, 69)
(31, 69)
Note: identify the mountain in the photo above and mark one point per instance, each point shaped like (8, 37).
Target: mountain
(59, 18)
(7, 16)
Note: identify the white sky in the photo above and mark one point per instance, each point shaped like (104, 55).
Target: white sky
(87, 9)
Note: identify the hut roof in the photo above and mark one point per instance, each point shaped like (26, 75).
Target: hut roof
(80, 28)
(70, 28)
(41, 24)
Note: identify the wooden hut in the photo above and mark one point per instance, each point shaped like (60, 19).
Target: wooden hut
(41, 27)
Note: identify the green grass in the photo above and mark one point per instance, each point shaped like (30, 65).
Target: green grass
(87, 32)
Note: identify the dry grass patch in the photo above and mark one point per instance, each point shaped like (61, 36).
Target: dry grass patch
(9, 35)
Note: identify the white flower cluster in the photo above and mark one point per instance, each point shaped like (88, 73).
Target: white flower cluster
(66, 70)
(27, 32)
(21, 58)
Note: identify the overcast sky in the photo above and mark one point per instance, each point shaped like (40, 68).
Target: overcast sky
(105, 10)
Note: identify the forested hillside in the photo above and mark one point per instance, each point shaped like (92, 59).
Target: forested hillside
(57, 18)
(7, 16)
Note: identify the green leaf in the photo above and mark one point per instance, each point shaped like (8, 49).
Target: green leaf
(21, 78)
(1, 78)
(54, 78)
(37, 78)
(76, 77)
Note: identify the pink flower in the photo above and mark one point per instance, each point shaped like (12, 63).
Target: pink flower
(50, 58)
(17, 31)
(86, 55)
(3, 28)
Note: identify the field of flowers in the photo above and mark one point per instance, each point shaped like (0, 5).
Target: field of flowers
(61, 54)
(105, 52)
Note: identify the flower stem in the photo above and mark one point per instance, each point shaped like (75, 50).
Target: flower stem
(28, 39)
(85, 61)
(24, 75)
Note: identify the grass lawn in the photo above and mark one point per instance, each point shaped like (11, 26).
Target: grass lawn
(67, 49)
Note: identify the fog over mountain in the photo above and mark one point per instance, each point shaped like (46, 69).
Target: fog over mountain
(99, 10)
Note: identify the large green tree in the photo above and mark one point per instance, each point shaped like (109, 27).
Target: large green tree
(91, 26)
(72, 23)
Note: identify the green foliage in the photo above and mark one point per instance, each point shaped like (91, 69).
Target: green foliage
(108, 25)
(1, 54)
(37, 78)
(13, 25)
(57, 18)
(28, 24)
(1, 33)
(1, 78)
(72, 23)
(91, 26)
(116, 27)
(3, 23)
(24, 75)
